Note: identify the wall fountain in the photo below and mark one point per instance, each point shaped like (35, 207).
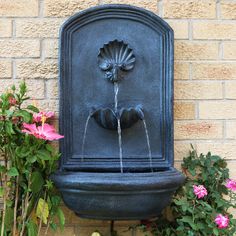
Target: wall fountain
(116, 97)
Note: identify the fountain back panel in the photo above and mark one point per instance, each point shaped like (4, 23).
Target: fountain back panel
(116, 98)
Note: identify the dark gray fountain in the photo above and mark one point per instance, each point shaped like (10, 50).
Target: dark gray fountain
(116, 97)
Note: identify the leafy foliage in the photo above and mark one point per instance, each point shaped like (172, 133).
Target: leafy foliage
(29, 196)
(191, 216)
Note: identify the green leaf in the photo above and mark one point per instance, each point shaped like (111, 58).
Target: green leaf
(31, 159)
(33, 108)
(37, 182)
(13, 172)
(1, 191)
(216, 231)
(9, 218)
(27, 117)
(43, 155)
(61, 218)
(32, 228)
(9, 128)
(42, 210)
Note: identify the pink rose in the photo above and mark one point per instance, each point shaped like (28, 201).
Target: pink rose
(222, 221)
(200, 191)
(231, 184)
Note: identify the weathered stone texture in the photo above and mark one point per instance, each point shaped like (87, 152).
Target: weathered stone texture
(36, 88)
(230, 89)
(217, 109)
(181, 70)
(196, 50)
(219, 71)
(63, 8)
(184, 110)
(228, 9)
(189, 9)
(231, 129)
(38, 28)
(19, 48)
(5, 28)
(198, 90)
(47, 69)
(5, 69)
(214, 30)
(151, 5)
(229, 50)
(180, 28)
(21, 8)
(50, 48)
(188, 130)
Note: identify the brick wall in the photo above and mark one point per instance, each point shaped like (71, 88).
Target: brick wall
(205, 71)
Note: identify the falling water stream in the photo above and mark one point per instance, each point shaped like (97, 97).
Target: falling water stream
(84, 136)
(116, 90)
(148, 144)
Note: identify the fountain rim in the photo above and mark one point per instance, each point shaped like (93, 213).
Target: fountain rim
(118, 181)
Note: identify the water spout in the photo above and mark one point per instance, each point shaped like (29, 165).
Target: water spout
(84, 136)
(148, 144)
(116, 90)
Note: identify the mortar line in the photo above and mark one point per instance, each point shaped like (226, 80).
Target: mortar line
(218, 9)
(160, 8)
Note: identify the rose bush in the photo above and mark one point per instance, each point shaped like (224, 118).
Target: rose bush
(202, 206)
(27, 161)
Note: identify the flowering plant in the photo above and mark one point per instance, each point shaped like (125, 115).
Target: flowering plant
(202, 206)
(27, 161)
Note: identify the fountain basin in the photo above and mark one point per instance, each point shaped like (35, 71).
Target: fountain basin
(118, 196)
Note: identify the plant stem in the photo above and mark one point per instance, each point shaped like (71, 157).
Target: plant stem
(16, 204)
(26, 206)
(4, 208)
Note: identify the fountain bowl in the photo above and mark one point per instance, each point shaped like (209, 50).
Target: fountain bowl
(118, 196)
(107, 118)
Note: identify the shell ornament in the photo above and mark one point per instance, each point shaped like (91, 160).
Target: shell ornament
(115, 58)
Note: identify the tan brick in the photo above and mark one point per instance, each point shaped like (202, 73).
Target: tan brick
(181, 70)
(229, 50)
(181, 150)
(198, 130)
(189, 9)
(19, 8)
(37, 69)
(50, 48)
(48, 105)
(230, 89)
(184, 110)
(68, 231)
(188, 50)
(5, 27)
(35, 88)
(63, 8)
(217, 110)
(228, 9)
(224, 149)
(231, 130)
(232, 168)
(180, 28)
(52, 88)
(151, 5)
(214, 30)
(218, 71)
(198, 90)
(38, 28)
(19, 48)
(5, 69)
